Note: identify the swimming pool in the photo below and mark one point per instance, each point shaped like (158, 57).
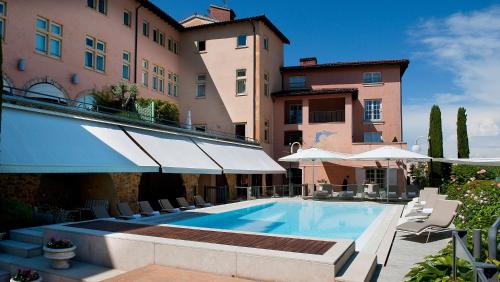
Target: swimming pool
(298, 218)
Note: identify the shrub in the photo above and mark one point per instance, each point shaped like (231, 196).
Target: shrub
(462, 174)
(54, 243)
(165, 112)
(14, 214)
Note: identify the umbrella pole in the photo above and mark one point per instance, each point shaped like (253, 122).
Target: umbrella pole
(314, 186)
(387, 181)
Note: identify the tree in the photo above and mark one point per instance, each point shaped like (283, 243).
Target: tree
(462, 138)
(435, 146)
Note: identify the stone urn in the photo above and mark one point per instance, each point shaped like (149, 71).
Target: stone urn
(26, 275)
(59, 258)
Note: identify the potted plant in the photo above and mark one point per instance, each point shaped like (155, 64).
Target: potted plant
(322, 184)
(27, 275)
(59, 252)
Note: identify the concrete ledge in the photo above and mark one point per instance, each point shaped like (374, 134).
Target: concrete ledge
(361, 269)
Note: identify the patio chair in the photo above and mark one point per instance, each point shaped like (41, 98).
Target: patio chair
(346, 195)
(89, 204)
(100, 212)
(126, 212)
(440, 220)
(200, 202)
(167, 206)
(426, 210)
(371, 195)
(146, 209)
(184, 205)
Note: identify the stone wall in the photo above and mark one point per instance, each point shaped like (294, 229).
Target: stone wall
(191, 184)
(231, 183)
(127, 188)
(22, 187)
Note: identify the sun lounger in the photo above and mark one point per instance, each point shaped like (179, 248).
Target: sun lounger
(146, 209)
(426, 210)
(184, 205)
(126, 212)
(167, 206)
(371, 195)
(321, 194)
(89, 204)
(100, 212)
(200, 202)
(346, 195)
(440, 219)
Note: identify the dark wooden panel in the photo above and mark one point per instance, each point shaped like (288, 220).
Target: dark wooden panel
(304, 246)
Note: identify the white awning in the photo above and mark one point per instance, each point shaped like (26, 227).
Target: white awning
(36, 141)
(472, 161)
(175, 153)
(239, 159)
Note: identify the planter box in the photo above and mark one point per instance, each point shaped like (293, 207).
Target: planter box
(59, 257)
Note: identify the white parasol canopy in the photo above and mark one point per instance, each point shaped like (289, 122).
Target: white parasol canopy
(389, 153)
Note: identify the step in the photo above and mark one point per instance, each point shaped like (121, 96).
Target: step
(78, 271)
(27, 235)
(6, 260)
(360, 269)
(4, 276)
(21, 249)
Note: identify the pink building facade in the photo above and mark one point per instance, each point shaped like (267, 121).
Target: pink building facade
(347, 107)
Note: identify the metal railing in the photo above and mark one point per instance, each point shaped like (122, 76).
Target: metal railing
(216, 194)
(41, 100)
(483, 272)
(326, 116)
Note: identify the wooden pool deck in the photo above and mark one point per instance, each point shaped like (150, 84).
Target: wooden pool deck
(285, 244)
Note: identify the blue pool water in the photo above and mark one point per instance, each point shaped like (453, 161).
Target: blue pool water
(299, 218)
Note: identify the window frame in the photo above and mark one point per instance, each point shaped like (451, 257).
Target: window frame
(159, 77)
(371, 80)
(369, 106)
(204, 46)
(376, 174)
(3, 19)
(96, 52)
(372, 134)
(267, 90)
(201, 82)
(241, 78)
(197, 127)
(127, 12)
(145, 73)
(126, 63)
(96, 7)
(238, 41)
(296, 85)
(265, 43)
(49, 37)
(173, 84)
(145, 28)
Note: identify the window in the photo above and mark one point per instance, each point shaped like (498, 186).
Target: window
(266, 84)
(95, 54)
(295, 82)
(126, 65)
(158, 78)
(173, 89)
(292, 136)
(266, 131)
(145, 72)
(3, 13)
(373, 110)
(376, 176)
(294, 114)
(372, 137)
(241, 81)
(239, 131)
(156, 35)
(202, 45)
(372, 77)
(176, 47)
(241, 41)
(145, 28)
(200, 127)
(201, 80)
(98, 5)
(127, 18)
(170, 44)
(162, 39)
(266, 43)
(48, 37)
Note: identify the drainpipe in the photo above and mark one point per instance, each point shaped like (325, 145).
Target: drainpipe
(135, 40)
(254, 80)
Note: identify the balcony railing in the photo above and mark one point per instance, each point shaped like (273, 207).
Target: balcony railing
(326, 116)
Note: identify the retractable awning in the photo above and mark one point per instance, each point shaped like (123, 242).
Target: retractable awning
(175, 153)
(239, 159)
(472, 161)
(38, 141)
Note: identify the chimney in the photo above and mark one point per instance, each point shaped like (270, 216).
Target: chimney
(221, 14)
(311, 61)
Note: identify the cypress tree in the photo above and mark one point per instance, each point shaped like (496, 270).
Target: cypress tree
(435, 146)
(462, 138)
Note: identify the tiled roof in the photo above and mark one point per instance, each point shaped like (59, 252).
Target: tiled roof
(403, 63)
(261, 18)
(308, 92)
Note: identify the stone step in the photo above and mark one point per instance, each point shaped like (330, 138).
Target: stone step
(78, 271)
(4, 276)
(21, 249)
(27, 235)
(360, 269)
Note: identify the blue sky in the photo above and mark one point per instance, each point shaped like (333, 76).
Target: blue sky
(453, 47)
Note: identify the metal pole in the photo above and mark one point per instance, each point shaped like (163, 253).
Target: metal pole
(314, 186)
(454, 256)
(476, 238)
(387, 182)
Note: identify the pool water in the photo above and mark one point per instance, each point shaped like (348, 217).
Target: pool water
(298, 218)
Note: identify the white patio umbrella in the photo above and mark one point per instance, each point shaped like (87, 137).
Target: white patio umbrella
(389, 153)
(313, 155)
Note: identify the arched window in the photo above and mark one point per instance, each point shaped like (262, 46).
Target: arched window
(86, 102)
(46, 92)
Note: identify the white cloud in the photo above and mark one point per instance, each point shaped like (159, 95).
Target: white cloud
(467, 45)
